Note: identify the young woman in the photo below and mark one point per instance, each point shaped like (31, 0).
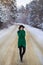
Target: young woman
(21, 41)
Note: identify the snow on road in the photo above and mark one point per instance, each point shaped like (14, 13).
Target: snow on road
(8, 44)
(37, 37)
(6, 31)
(37, 34)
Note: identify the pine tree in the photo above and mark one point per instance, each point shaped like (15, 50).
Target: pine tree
(8, 10)
(36, 12)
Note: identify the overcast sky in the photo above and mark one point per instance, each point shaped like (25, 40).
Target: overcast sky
(22, 2)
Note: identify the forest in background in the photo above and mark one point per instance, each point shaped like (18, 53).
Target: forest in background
(32, 14)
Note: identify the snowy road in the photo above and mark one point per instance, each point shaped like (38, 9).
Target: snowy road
(9, 54)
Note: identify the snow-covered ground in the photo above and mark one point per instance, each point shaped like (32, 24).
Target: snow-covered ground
(36, 35)
(6, 31)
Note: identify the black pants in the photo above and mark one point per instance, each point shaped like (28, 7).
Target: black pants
(22, 52)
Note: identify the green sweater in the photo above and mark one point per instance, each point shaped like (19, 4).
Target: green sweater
(21, 38)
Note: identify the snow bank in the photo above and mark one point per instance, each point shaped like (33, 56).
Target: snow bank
(36, 34)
